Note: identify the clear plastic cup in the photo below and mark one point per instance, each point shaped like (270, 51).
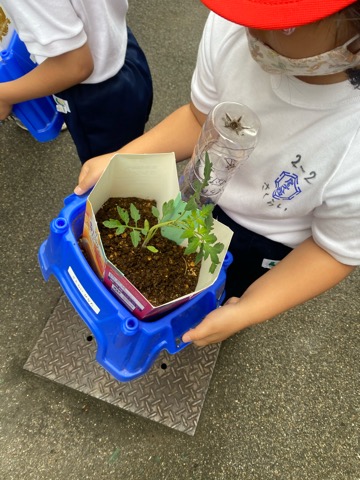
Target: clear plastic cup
(228, 137)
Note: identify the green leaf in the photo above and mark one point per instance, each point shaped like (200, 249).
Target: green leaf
(174, 233)
(123, 214)
(192, 246)
(155, 212)
(206, 253)
(214, 257)
(207, 209)
(121, 229)
(212, 267)
(135, 237)
(207, 171)
(167, 208)
(199, 255)
(197, 186)
(146, 228)
(209, 238)
(111, 223)
(188, 233)
(174, 209)
(191, 204)
(198, 258)
(114, 456)
(134, 212)
(219, 247)
(152, 249)
(201, 230)
(209, 222)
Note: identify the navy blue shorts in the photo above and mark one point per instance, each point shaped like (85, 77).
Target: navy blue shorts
(253, 255)
(106, 116)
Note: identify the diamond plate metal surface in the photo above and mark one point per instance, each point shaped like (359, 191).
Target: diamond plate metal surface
(171, 393)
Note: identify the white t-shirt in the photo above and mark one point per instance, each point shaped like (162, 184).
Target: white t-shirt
(303, 177)
(52, 27)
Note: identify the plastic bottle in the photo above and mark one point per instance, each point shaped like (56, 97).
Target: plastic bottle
(228, 136)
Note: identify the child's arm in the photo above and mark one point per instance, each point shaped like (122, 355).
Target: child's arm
(53, 75)
(303, 274)
(178, 133)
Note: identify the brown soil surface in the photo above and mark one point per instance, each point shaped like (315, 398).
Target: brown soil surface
(160, 277)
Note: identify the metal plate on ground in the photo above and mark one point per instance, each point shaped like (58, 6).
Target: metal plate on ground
(171, 393)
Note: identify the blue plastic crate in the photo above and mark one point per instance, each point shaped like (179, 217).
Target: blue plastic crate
(127, 346)
(39, 116)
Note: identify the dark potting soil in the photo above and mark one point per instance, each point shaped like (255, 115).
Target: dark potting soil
(160, 277)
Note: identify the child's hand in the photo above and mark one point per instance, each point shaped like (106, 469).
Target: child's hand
(303, 274)
(91, 172)
(218, 324)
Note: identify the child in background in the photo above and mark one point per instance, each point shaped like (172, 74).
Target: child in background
(92, 62)
(294, 206)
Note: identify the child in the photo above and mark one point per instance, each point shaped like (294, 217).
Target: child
(295, 203)
(90, 59)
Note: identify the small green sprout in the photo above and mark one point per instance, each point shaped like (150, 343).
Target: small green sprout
(178, 221)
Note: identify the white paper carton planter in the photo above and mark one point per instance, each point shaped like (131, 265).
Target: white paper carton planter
(152, 176)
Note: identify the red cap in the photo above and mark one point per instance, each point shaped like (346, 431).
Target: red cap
(275, 14)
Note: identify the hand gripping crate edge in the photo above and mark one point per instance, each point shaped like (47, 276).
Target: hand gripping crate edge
(126, 346)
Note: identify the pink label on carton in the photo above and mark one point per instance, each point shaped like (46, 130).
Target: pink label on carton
(122, 288)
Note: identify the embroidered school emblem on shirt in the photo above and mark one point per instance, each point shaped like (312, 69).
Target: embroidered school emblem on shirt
(287, 186)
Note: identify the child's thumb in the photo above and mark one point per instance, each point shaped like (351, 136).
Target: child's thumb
(189, 336)
(79, 190)
(86, 181)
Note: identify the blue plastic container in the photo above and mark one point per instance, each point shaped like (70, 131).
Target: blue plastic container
(127, 347)
(39, 116)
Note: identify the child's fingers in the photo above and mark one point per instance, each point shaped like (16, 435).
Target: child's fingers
(90, 173)
(192, 336)
(206, 329)
(216, 326)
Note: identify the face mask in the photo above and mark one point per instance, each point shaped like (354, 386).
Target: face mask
(334, 61)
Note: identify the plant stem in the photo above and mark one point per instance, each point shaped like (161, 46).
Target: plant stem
(154, 228)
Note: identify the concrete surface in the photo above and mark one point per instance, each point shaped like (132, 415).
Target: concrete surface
(284, 399)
